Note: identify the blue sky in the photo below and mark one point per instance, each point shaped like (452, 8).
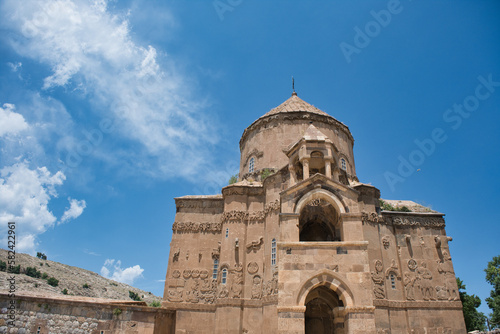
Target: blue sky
(110, 109)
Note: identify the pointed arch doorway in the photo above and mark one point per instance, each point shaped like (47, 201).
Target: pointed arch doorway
(322, 305)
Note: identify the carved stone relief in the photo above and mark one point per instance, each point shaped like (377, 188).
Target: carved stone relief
(409, 281)
(393, 268)
(237, 280)
(445, 267)
(176, 274)
(374, 218)
(252, 268)
(256, 287)
(386, 242)
(255, 245)
(195, 227)
(175, 257)
(378, 280)
(216, 252)
(271, 287)
(425, 281)
(412, 264)
(253, 216)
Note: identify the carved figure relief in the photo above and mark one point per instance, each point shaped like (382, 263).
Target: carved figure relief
(223, 292)
(252, 268)
(386, 242)
(378, 280)
(237, 281)
(208, 291)
(425, 281)
(256, 287)
(195, 227)
(271, 287)
(191, 293)
(409, 282)
(255, 245)
(445, 267)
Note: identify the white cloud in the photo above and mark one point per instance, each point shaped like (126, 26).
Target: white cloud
(74, 211)
(127, 275)
(10, 121)
(91, 48)
(24, 199)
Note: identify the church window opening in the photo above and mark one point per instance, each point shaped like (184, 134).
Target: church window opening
(224, 276)
(321, 304)
(251, 165)
(216, 269)
(318, 221)
(227, 232)
(393, 282)
(343, 164)
(38, 330)
(273, 252)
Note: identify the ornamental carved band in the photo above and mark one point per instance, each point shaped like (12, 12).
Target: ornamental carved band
(197, 227)
(236, 215)
(374, 218)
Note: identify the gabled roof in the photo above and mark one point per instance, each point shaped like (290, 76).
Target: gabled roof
(295, 104)
(312, 133)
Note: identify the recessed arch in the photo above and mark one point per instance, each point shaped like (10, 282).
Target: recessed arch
(320, 194)
(330, 280)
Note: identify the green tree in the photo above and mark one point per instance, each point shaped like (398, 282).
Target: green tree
(474, 320)
(493, 301)
(3, 266)
(32, 272)
(233, 179)
(41, 256)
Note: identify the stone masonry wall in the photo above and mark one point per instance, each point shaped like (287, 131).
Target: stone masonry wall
(66, 316)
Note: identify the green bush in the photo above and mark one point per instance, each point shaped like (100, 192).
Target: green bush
(134, 296)
(265, 173)
(117, 311)
(32, 272)
(3, 266)
(53, 281)
(45, 276)
(14, 270)
(155, 303)
(65, 291)
(86, 286)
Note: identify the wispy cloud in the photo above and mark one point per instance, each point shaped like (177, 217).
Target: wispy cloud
(75, 210)
(113, 270)
(90, 48)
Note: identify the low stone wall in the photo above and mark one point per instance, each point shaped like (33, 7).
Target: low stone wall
(67, 315)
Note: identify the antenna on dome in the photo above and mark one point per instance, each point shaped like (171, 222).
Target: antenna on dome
(293, 86)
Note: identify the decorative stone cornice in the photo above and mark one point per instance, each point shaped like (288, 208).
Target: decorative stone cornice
(405, 304)
(359, 309)
(292, 309)
(323, 244)
(194, 227)
(252, 216)
(407, 219)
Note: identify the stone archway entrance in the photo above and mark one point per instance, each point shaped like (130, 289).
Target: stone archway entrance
(321, 306)
(318, 222)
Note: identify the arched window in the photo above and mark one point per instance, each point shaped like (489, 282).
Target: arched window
(343, 164)
(393, 281)
(251, 165)
(216, 269)
(224, 276)
(227, 232)
(273, 252)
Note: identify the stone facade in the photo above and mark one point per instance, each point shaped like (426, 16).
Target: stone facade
(299, 245)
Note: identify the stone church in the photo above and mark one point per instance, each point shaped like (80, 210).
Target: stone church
(300, 245)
